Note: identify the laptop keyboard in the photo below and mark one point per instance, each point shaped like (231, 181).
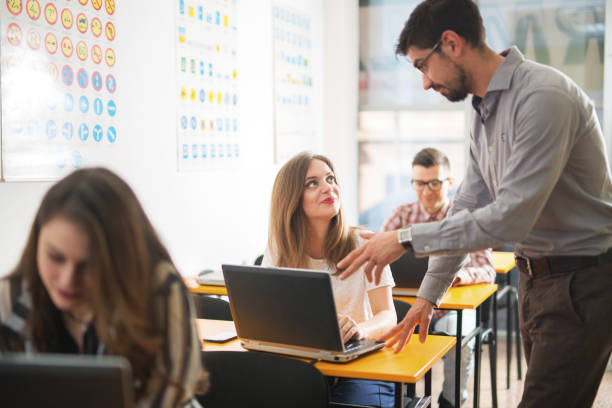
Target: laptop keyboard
(355, 344)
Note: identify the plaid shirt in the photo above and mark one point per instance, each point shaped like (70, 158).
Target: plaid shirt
(479, 266)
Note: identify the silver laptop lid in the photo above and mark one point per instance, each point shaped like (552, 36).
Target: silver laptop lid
(294, 307)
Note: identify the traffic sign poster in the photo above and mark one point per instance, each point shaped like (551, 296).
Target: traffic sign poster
(206, 93)
(69, 49)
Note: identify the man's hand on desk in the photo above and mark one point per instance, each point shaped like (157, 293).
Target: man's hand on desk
(419, 314)
(378, 251)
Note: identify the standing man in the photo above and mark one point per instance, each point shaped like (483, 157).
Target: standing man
(537, 177)
(432, 181)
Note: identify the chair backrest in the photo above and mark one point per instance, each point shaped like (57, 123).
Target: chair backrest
(401, 308)
(251, 379)
(208, 307)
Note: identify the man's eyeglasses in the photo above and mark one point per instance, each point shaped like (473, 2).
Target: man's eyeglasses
(433, 185)
(421, 65)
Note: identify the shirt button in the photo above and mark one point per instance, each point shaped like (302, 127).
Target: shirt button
(427, 248)
(490, 148)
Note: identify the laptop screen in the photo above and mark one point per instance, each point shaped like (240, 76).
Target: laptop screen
(408, 271)
(280, 305)
(65, 380)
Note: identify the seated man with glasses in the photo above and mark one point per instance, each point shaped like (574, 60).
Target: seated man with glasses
(431, 180)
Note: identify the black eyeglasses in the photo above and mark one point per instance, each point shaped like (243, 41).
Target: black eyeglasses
(421, 65)
(433, 185)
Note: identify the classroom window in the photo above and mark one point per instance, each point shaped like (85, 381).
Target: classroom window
(397, 117)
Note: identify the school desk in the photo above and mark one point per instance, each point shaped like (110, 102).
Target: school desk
(408, 366)
(460, 298)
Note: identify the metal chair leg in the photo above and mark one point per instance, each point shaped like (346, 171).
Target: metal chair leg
(518, 336)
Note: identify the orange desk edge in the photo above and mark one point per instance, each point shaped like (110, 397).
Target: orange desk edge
(461, 297)
(409, 365)
(503, 261)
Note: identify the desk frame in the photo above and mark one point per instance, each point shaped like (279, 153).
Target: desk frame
(462, 341)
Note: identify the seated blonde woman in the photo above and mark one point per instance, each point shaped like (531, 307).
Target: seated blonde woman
(308, 230)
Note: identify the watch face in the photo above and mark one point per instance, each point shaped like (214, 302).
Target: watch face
(404, 235)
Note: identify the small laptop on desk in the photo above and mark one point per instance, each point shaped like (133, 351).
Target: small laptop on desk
(408, 273)
(65, 380)
(289, 311)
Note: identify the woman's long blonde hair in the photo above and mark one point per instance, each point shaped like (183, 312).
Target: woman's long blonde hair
(288, 233)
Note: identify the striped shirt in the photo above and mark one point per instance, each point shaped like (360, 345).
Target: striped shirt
(478, 267)
(177, 370)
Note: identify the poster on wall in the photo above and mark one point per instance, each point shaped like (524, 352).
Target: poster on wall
(59, 84)
(207, 125)
(294, 115)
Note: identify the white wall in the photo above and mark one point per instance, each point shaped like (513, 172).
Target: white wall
(340, 104)
(207, 218)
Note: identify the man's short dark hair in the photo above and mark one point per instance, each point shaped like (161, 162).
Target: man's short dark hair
(430, 157)
(431, 18)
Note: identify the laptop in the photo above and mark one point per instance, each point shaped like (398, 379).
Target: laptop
(289, 311)
(210, 277)
(65, 380)
(408, 273)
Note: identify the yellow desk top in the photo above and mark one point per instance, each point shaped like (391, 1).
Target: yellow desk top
(503, 261)
(461, 297)
(408, 366)
(194, 287)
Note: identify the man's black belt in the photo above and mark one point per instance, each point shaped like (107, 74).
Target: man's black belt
(560, 264)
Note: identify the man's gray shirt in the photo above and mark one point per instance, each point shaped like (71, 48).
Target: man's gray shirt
(537, 177)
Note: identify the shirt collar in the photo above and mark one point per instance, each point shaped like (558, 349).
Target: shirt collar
(502, 79)
(503, 75)
(438, 215)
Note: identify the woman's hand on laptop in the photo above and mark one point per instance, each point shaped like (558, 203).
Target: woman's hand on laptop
(378, 251)
(349, 329)
(420, 314)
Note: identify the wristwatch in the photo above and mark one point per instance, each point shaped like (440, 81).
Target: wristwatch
(404, 237)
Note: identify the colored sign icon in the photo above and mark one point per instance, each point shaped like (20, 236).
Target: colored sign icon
(109, 57)
(111, 134)
(33, 9)
(14, 6)
(66, 18)
(67, 75)
(96, 54)
(50, 13)
(98, 106)
(66, 46)
(96, 26)
(97, 132)
(81, 21)
(83, 132)
(67, 130)
(82, 78)
(51, 43)
(111, 108)
(81, 50)
(109, 30)
(109, 5)
(33, 38)
(111, 83)
(96, 81)
(83, 104)
(13, 34)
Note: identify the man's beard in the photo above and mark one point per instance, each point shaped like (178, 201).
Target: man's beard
(461, 91)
